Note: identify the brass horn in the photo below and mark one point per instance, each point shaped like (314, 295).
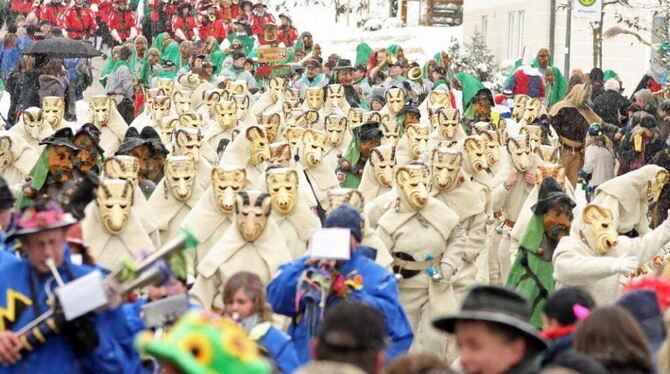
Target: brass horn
(316, 51)
(389, 58)
(414, 73)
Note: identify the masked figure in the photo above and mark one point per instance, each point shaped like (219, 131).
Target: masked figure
(32, 128)
(338, 139)
(594, 256)
(176, 195)
(105, 116)
(249, 150)
(395, 101)
(378, 173)
(319, 175)
(493, 156)
(245, 104)
(534, 136)
(271, 122)
(365, 138)
(272, 100)
(53, 109)
(182, 101)
(390, 133)
(280, 155)
(413, 144)
(447, 127)
(293, 135)
(293, 216)
(519, 106)
(187, 142)
(355, 118)
(436, 98)
(90, 154)
(166, 127)
(211, 97)
(224, 121)
(191, 120)
(250, 243)
(336, 102)
(112, 228)
(426, 244)
(532, 110)
(314, 98)
(309, 119)
(16, 160)
(468, 199)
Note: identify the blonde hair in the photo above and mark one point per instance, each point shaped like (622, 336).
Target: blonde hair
(253, 288)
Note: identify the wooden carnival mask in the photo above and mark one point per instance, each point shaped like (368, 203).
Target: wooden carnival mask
(100, 109)
(6, 155)
(166, 85)
(532, 109)
(276, 88)
(448, 121)
(238, 87)
(492, 147)
(288, 105)
(166, 127)
(604, 235)
(292, 94)
(307, 119)
(226, 114)
(282, 184)
(383, 162)
(259, 150)
(151, 94)
(161, 107)
(122, 167)
(189, 81)
(252, 209)
(336, 127)
(355, 117)
(191, 120)
(270, 32)
(375, 116)
(60, 162)
(179, 176)
(88, 153)
(439, 98)
(314, 144)
(656, 186)
(242, 103)
(557, 172)
(413, 180)
(187, 142)
(549, 153)
(340, 196)
(226, 183)
(390, 133)
(335, 94)
(534, 136)
(33, 121)
(293, 135)
(519, 106)
(417, 135)
(314, 98)
(519, 150)
(475, 149)
(395, 99)
(182, 101)
(280, 154)
(271, 122)
(446, 164)
(210, 98)
(115, 201)
(53, 108)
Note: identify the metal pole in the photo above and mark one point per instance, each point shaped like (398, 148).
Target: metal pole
(568, 28)
(552, 26)
(348, 11)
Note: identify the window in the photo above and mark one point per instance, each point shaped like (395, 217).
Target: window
(515, 36)
(485, 26)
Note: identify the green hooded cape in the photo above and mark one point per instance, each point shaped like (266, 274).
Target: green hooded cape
(530, 275)
(352, 154)
(39, 174)
(172, 53)
(470, 85)
(608, 74)
(363, 53)
(558, 90)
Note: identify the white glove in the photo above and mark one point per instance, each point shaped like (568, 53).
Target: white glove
(446, 271)
(94, 8)
(116, 36)
(625, 264)
(133, 33)
(180, 34)
(196, 35)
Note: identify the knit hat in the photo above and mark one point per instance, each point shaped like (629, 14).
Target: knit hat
(643, 305)
(6, 197)
(347, 217)
(595, 129)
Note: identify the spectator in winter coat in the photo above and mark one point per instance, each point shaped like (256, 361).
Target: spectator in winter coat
(596, 77)
(23, 88)
(53, 79)
(664, 125)
(611, 105)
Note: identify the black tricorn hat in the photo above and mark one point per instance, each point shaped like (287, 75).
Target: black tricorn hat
(151, 137)
(131, 140)
(368, 131)
(92, 131)
(497, 305)
(482, 93)
(343, 64)
(408, 108)
(549, 195)
(62, 137)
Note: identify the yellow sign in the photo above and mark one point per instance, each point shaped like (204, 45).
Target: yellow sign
(268, 54)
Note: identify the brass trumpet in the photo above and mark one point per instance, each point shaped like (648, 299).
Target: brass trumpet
(316, 51)
(389, 59)
(414, 73)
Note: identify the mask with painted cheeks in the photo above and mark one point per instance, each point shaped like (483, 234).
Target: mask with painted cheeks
(252, 209)
(335, 94)
(307, 119)
(115, 201)
(355, 118)
(282, 184)
(238, 87)
(61, 162)
(100, 109)
(259, 150)
(227, 181)
(180, 176)
(314, 144)
(33, 121)
(395, 99)
(519, 150)
(292, 94)
(417, 135)
(280, 154)
(492, 147)
(448, 121)
(602, 236)
(288, 105)
(53, 108)
(276, 88)
(413, 180)
(557, 172)
(271, 122)
(166, 128)
(210, 98)
(382, 160)
(187, 142)
(446, 164)
(534, 136)
(336, 127)
(6, 155)
(191, 120)
(475, 149)
(226, 114)
(314, 97)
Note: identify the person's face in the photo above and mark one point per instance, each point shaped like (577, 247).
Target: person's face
(154, 58)
(411, 118)
(248, 66)
(377, 106)
(549, 76)
(366, 147)
(345, 78)
(209, 69)
(239, 63)
(45, 245)
(312, 72)
(358, 75)
(477, 346)
(543, 59)
(556, 222)
(141, 47)
(79, 2)
(45, 28)
(639, 101)
(60, 163)
(284, 21)
(241, 306)
(307, 41)
(197, 62)
(395, 71)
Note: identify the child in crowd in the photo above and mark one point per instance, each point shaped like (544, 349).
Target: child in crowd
(599, 160)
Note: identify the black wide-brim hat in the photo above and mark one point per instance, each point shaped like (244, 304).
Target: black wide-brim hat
(343, 64)
(92, 131)
(151, 137)
(130, 141)
(495, 304)
(550, 194)
(62, 137)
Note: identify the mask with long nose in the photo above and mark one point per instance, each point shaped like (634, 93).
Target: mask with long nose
(417, 135)
(519, 106)
(390, 133)
(519, 150)
(383, 162)
(180, 176)
(182, 101)
(448, 121)
(242, 102)
(252, 209)
(446, 165)
(276, 89)
(33, 121)
(340, 196)
(121, 167)
(395, 99)
(603, 234)
(161, 108)
(187, 142)
(191, 120)
(280, 154)
(492, 147)
(166, 85)
(293, 135)
(271, 122)
(475, 149)
(355, 117)
(282, 184)
(534, 136)
(314, 98)
(210, 98)
(53, 108)
(259, 150)
(100, 109)
(336, 127)
(335, 95)
(166, 128)
(413, 180)
(226, 183)
(532, 110)
(115, 201)
(314, 144)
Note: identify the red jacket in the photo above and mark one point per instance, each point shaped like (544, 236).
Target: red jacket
(186, 24)
(216, 29)
(123, 23)
(51, 12)
(259, 21)
(287, 35)
(78, 22)
(229, 13)
(21, 6)
(165, 10)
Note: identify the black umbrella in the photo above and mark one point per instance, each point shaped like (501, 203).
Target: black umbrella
(62, 47)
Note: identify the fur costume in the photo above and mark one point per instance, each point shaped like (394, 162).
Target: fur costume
(19, 130)
(112, 133)
(24, 158)
(169, 211)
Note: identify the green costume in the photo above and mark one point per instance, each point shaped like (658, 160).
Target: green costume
(363, 53)
(558, 90)
(248, 42)
(39, 174)
(353, 156)
(609, 74)
(159, 41)
(470, 85)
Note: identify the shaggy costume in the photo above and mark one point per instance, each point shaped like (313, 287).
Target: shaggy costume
(169, 211)
(19, 131)
(112, 133)
(24, 159)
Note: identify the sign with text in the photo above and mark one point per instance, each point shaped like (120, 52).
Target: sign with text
(587, 9)
(267, 54)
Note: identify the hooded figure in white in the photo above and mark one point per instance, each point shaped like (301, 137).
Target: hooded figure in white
(32, 128)
(378, 173)
(104, 115)
(250, 150)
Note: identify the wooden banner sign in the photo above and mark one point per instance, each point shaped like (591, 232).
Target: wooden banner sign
(267, 54)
